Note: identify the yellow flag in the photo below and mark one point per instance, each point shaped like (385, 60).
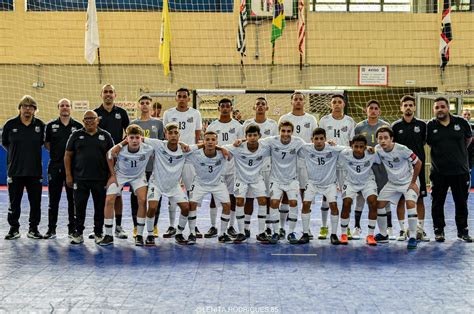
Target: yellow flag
(165, 39)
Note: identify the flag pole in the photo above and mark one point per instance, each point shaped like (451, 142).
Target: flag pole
(99, 66)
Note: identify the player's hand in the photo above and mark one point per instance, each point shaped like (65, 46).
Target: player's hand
(237, 142)
(69, 181)
(184, 147)
(112, 179)
(371, 150)
(115, 150)
(226, 153)
(332, 142)
(414, 187)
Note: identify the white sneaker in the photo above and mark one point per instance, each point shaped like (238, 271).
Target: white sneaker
(120, 233)
(421, 235)
(356, 233)
(403, 236)
(391, 235)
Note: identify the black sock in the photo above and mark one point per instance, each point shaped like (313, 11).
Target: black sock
(134, 218)
(118, 220)
(157, 215)
(357, 216)
(389, 220)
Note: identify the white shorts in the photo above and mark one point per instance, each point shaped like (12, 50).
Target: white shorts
(136, 183)
(187, 176)
(175, 195)
(302, 174)
(292, 190)
(220, 193)
(266, 178)
(369, 188)
(392, 193)
(341, 177)
(243, 190)
(229, 182)
(330, 191)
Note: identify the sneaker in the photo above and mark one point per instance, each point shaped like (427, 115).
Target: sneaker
(139, 240)
(274, 238)
(135, 231)
(334, 239)
(120, 233)
(240, 238)
(198, 233)
(247, 233)
(77, 238)
(323, 233)
(282, 233)
(464, 236)
(356, 233)
(155, 231)
(292, 238)
(370, 240)
(192, 239)
(12, 234)
(421, 235)
(50, 234)
(344, 239)
(268, 231)
(171, 232)
(70, 233)
(391, 235)
(311, 237)
(381, 238)
(402, 236)
(304, 239)
(150, 240)
(262, 238)
(211, 233)
(106, 240)
(34, 234)
(224, 239)
(349, 235)
(98, 237)
(439, 235)
(412, 244)
(180, 239)
(231, 232)
(91, 235)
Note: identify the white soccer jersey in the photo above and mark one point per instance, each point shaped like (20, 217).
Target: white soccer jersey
(131, 165)
(267, 129)
(303, 125)
(249, 164)
(227, 133)
(358, 170)
(208, 169)
(188, 123)
(284, 157)
(398, 162)
(321, 164)
(341, 131)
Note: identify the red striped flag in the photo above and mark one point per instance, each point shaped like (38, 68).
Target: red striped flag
(301, 27)
(241, 43)
(446, 34)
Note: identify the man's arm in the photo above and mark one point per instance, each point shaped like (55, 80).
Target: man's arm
(68, 155)
(5, 133)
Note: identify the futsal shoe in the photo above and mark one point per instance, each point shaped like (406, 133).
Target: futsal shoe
(304, 239)
(370, 240)
(323, 233)
(34, 234)
(232, 232)
(403, 236)
(391, 235)
(211, 233)
(292, 238)
(171, 232)
(198, 233)
(464, 236)
(139, 240)
(224, 239)
(274, 238)
(282, 233)
(98, 237)
(77, 238)
(12, 234)
(262, 238)
(334, 239)
(180, 239)
(344, 239)
(120, 233)
(241, 238)
(356, 233)
(381, 238)
(439, 235)
(135, 232)
(268, 231)
(247, 233)
(421, 235)
(50, 234)
(191, 239)
(311, 237)
(155, 231)
(106, 240)
(150, 240)
(412, 243)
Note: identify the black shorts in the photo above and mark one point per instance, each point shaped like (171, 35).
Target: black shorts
(422, 178)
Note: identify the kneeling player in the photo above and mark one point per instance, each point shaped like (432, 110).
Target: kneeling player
(403, 168)
(360, 178)
(128, 166)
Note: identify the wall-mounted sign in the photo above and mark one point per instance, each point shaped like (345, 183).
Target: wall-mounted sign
(373, 75)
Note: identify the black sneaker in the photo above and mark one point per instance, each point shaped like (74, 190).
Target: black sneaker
(464, 236)
(269, 232)
(334, 239)
(282, 233)
(106, 240)
(171, 232)
(98, 237)
(139, 240)
(34, 234)
(70, 233)
(12, 234)
(77, 238)
(247, 233)
(439, 235)
(150, 240)
(180, 239)
(262, 238)
(211, 233)
(381, 238)
(198, 233)
(274, 238)
(304, 239)
(240, 238)
(192, 239)
(292, 238)
(232, 232)
(224, 239)
(50, 234)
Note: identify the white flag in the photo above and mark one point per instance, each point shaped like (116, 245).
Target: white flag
(92, 33)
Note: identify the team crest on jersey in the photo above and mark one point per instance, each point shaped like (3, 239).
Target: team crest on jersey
(259, 158)
(118, 116)
(344, 129)
(125, 159)
(312, 155)
(401, 131)
(396, 159)
(142, 158)
(435, 131)
(244, 157)
(232, 131)
(329, 155)
(14, 130)
(416, 129)
(351, 163)
(218, 162)
(202, 164)
(81, 137)
(367, 164)
(55, 130)
(154, 128)
(178, 157)
(307, 125)
(101, 137)
(329, 127)
(37, 129)
(267, 132)
(218, 131)
(174, 119)
(55, 126)
(457, 127)
(293, 151)
(277, 149)
(190, 120)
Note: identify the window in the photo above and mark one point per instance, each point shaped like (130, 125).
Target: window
(6, 5)
(360, 5)
(462, 5)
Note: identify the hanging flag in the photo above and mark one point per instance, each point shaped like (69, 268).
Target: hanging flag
(446, 34)
(241, 44)
(92, 33)
(301, 30)
(278, 22)
(165, 39)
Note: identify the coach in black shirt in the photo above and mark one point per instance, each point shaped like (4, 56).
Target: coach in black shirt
(87, 171)
(57, 134)
(448, 137)
(23, 137)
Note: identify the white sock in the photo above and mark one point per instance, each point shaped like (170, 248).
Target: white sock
(262, 216)
(412, 221)
(372, 223)
(334, 221)
(292, 219)
(305, 219)
(213, 214)
(240, 215)
(224, 222)
(172, 213)
(192, 222)
(232, 218)
(421, 224)
(324, 216)
(183, 220)
(382, 220)
(140, 225)
(108, 224)
(401, 222)
(284, 209)
(275, 219)
(247, 221)
(360, 202)
(150, 225)
(344, 224)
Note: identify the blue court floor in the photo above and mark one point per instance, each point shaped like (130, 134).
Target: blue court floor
(54, 276)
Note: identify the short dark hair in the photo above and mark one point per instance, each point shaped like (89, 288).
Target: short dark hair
(319, 131)
(225, 101)
(252, 128)
(384, 128)
(296, 93)
(156, 105)
(338, 96)
(286, 123)
(145, 97)
(441, 98)
(359, 138)
(373, 101)
(406, 98)
(183, 89)
(262, 98)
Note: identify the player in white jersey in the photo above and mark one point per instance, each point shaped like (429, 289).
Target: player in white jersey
(228, 130)
(189, 123)
(340, 129)
(210, 166)
(268, 127)
(283, 179)
(360, 179)
(249, 159)
(403, 168)
(128, 166)
(321, 161)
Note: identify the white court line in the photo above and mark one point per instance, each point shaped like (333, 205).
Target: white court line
(283, 254)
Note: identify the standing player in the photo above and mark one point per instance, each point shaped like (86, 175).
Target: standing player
(156, 112)
(403, 168)
(367, 128)
(411, 132)
(228, 130)
(114, 120)
(339, 128)
(57, 134)
(189, 123)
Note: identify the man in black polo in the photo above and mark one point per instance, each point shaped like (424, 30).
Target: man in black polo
(22, 138)
(411, 132)
(87, 172)
(449, 136)
(466, 113)
(57, 134)
(114, 120)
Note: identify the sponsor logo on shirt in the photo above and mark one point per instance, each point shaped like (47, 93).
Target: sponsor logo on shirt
(101, 137)
(118, 116)
(457, 127)
(416, 129)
